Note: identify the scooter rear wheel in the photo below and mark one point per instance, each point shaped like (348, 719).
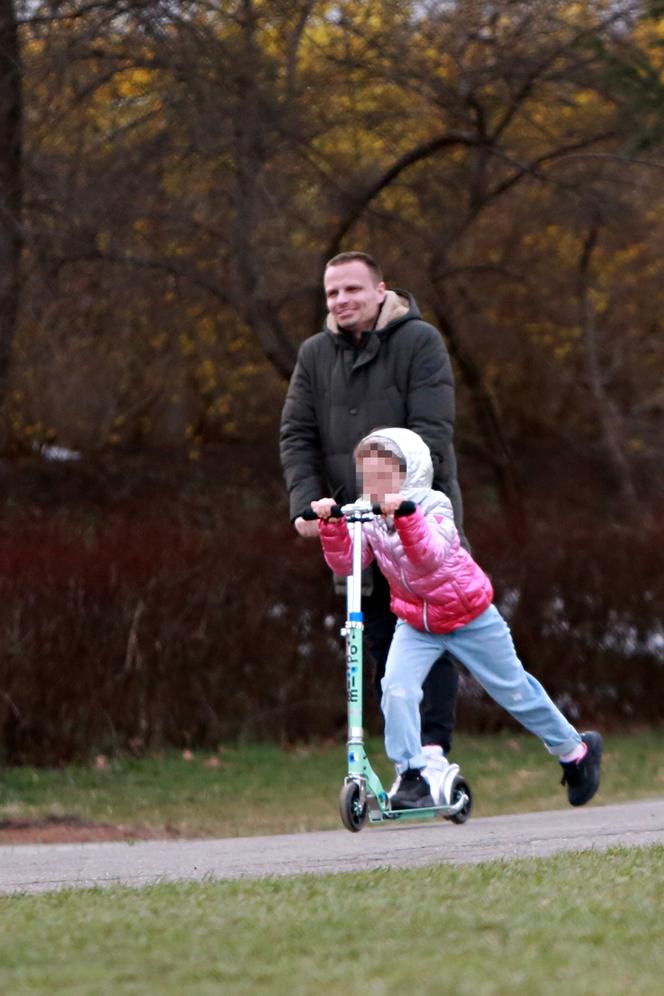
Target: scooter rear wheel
(459, 786)
(353, 811)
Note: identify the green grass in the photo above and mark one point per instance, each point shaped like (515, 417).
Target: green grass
(572, 925)
(261, 789)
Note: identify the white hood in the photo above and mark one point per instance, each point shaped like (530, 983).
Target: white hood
(411, 448)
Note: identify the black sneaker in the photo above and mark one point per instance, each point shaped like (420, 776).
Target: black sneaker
(582, 777)
(413, 791)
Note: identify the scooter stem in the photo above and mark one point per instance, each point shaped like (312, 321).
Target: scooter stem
(354, 655)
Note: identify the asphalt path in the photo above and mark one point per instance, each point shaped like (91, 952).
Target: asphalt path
(47, 867)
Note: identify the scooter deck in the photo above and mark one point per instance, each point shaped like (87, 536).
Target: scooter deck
(391, 815)
(384, 815)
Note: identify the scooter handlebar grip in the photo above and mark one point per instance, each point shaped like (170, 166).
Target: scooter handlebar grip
(310, 516)
(405, 508)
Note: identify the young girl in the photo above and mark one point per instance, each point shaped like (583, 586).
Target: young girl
(443, 601)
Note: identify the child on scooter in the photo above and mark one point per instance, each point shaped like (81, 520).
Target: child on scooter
(443, 601)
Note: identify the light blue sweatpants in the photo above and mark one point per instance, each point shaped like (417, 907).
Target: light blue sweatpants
(486, 648)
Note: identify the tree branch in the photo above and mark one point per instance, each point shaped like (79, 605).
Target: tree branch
(415, 155)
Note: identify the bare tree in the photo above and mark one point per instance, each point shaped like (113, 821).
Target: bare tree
(11, 188)
(606, 412)
(211, 156)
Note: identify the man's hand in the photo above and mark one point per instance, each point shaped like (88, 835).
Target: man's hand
(322, 508)
(307, 529)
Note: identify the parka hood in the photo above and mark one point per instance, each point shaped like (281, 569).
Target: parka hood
(397, 306)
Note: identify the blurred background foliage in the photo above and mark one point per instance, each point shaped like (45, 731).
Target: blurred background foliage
(174, 176)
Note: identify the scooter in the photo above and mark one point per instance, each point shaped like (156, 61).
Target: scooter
(362, 794)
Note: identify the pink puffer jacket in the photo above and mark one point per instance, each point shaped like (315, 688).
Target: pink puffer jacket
(435, 584)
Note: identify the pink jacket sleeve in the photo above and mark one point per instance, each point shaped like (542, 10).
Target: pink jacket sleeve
(338, 548)
(426, 543)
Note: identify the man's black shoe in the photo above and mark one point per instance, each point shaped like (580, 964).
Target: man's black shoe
(413, 791)
(582, 777)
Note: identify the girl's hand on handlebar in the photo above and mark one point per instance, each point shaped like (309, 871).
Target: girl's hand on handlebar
(390, 503)
(323, 507)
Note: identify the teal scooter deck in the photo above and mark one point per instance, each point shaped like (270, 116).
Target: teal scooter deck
(424, 813)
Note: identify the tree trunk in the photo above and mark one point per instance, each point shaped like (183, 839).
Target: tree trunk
(606, 413)
(258, 312)
(11, 193)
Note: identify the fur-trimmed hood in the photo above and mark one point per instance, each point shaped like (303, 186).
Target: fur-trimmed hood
(397, 305)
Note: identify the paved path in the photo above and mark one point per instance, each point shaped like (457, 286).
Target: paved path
(44, 867)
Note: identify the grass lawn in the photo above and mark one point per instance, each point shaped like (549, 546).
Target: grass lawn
(261, 789)
(573, 924)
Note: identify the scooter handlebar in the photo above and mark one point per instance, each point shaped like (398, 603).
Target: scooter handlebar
(336, 512)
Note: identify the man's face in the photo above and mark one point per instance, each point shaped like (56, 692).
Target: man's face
(353, 296)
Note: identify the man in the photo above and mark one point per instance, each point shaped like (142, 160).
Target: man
(376, 363)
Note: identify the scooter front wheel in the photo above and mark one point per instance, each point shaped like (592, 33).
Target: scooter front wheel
(351, 807)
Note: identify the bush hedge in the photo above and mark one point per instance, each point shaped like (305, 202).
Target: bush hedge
(145, 605)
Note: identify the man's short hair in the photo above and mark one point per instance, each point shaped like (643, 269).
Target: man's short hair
(360, 257)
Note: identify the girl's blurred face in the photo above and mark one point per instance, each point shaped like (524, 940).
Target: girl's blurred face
(380, 475)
